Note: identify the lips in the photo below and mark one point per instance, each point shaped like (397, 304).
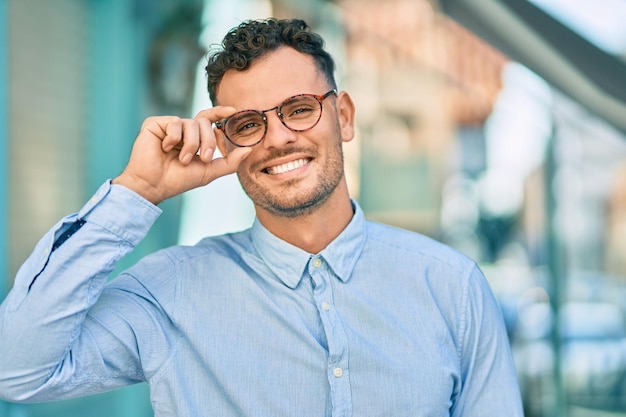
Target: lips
(286, 167)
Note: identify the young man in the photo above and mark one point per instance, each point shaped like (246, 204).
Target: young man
(313, 311)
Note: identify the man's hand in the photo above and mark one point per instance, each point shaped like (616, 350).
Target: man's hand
(173, 155)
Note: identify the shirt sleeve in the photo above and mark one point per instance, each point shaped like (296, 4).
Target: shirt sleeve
(489, 386)
(42, 337)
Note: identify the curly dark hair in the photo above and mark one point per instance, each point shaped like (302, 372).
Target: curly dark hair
(252, 39)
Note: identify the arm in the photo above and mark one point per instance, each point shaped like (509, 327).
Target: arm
(41, 318)
(489, 383)
(45, 338)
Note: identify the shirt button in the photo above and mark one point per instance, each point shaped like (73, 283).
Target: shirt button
(325, 306)
(317, 262)
(338, 372)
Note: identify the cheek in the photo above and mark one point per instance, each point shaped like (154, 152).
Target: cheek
(245, 167)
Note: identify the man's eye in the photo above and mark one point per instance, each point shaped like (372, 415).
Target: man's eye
(299, 112)
(247, 126)
(244, 125)
(302, 110)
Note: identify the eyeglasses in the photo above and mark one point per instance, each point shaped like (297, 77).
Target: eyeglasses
(298, 113)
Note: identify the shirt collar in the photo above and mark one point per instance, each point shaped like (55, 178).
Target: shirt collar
(289, 262)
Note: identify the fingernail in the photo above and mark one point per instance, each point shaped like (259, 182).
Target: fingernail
(208, 153)
(187, 158)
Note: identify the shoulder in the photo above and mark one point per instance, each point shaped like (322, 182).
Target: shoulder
(160, 273)
(227, 245)
(417, 247)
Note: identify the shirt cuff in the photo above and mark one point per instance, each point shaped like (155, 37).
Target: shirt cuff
(120, 211)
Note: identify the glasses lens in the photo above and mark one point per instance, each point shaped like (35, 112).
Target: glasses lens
(245, 128)
(301, 112)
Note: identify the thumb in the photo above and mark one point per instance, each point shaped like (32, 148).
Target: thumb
(229, 163)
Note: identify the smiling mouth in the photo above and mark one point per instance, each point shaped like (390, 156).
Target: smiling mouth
(289, 166)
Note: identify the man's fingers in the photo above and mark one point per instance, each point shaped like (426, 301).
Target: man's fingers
(216, 113)
(190, 140)
(189, 136)
(207, 139)
(173, 133)
(195, 139)
(157, 127)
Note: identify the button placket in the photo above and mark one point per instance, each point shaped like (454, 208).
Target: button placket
(338, 353)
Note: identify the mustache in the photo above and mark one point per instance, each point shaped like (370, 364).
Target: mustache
(281, 153)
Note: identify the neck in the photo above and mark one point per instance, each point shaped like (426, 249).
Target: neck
(314, 231)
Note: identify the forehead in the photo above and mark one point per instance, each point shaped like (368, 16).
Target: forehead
(274, 77)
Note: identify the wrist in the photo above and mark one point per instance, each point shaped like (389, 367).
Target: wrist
(140, 187)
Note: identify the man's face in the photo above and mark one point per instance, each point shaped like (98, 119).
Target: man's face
(289, 173)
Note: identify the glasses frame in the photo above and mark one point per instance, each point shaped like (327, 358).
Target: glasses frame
(221, 124)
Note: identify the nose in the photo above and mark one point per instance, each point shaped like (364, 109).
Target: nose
(278, 135)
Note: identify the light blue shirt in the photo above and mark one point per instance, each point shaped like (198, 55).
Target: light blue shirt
(382, 322)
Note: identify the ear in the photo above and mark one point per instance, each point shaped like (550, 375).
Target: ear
(345, 113)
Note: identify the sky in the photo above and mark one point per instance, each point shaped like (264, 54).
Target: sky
(600, 21)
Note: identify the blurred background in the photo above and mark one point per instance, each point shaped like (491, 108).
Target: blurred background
(496, 126)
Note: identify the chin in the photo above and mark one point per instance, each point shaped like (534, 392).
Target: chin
(295, 210)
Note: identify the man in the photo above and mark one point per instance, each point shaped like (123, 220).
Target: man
(313, 311)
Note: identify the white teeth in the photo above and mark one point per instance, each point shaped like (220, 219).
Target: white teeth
(289, 166)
